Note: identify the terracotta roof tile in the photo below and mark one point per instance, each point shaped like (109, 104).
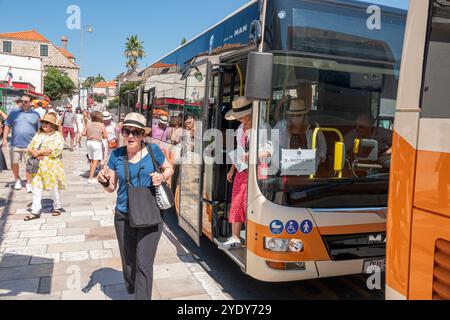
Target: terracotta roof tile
(108, 84)
(66, 53)
(30, 35)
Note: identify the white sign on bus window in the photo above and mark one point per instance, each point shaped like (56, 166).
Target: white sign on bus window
(298, 162)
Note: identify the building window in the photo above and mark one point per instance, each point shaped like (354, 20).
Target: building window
(44, 50)
(7, 46)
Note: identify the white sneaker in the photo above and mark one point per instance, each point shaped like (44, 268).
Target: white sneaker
(231, 243)
(93, 181)
(18, 185)
(29, 188)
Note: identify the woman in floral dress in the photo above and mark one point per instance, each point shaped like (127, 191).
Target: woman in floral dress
(47, 146)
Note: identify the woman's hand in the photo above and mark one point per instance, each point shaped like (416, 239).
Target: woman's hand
(245, 157)
(104, 175)
(157, 179)
(33, 153)
(230, 175)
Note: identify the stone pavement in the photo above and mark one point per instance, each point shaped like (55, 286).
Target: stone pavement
(76, 256)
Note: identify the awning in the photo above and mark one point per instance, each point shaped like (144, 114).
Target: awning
(39, 95)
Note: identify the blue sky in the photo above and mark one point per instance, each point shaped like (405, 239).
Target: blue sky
(160, 24)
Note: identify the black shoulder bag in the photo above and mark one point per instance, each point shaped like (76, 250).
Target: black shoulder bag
(142, 207)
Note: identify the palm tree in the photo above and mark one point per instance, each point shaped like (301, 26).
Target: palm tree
(134, 51)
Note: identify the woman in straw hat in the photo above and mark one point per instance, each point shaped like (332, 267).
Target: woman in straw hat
(137, 245)
(296, 132)
(242, 111)
(47, 146)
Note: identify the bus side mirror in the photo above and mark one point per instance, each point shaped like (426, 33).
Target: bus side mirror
(339, 156)
(258, 84)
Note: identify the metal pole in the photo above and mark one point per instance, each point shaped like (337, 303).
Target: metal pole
(80, 73)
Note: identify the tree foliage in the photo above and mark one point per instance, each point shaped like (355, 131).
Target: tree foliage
(183, 41)
(114, 104)
(57, 84)
(128, 86)
(134, 51)
(91, 81)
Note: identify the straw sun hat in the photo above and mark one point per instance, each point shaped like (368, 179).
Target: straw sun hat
(297, 108)
(241, 107)
(136, 120)
(50, 118)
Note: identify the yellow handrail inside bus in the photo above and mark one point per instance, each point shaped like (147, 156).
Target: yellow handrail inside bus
(241, 79)
(339, 149)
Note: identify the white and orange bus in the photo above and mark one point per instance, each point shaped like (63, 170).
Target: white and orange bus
(418, 247)
(342, 59)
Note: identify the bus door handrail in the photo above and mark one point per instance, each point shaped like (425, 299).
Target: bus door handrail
(314, 142)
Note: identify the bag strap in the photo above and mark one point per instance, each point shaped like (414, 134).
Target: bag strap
(155, 164)
(127, 169)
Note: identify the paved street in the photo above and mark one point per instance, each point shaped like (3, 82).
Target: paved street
(76, 255)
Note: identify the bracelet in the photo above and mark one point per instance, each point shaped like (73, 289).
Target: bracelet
(105, 184)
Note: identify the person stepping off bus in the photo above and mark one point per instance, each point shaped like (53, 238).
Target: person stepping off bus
(242, 111)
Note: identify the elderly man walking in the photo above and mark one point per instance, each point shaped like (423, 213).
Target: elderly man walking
(69, 123)
(24, 124)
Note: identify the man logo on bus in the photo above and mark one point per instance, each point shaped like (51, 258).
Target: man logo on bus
(306, 227)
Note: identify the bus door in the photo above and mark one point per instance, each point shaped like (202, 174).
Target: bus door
(195, 116)
(216, 191)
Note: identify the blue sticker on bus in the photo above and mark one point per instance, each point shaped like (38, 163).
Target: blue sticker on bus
(292, 227)
(276, 227)
(306, 227)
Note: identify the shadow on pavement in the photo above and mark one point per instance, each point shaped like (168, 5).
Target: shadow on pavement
(21, 274)
(108, 279)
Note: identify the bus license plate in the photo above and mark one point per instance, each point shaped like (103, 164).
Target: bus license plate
(374, 265)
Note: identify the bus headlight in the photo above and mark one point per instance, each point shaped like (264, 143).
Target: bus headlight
(278, 245)
(296, 245)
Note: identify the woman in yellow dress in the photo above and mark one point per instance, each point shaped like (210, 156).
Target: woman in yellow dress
(47, 146)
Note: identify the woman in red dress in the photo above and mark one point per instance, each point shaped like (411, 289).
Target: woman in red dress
(241, 111)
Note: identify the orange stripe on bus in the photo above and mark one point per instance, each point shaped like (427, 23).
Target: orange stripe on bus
(353, 229)
(314, 247)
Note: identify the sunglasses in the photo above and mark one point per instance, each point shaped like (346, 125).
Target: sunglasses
(136, 133)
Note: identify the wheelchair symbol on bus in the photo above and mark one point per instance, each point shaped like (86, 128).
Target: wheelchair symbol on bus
(292, 227)
(306, 227)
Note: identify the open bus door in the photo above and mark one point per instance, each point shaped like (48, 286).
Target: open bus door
(191, 169)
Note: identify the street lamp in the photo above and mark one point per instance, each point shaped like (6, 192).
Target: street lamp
(88, 29)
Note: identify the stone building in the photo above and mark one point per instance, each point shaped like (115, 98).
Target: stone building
(32, 44)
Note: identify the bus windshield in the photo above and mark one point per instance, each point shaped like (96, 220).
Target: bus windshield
(333, 104)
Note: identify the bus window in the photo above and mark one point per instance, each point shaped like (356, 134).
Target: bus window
(332, 108)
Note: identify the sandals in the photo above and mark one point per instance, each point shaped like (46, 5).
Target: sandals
(56, 212)
(32, 217)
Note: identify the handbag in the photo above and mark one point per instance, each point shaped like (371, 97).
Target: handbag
(32, 165)
(164, 195)
(142, 207)
(113, 144)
